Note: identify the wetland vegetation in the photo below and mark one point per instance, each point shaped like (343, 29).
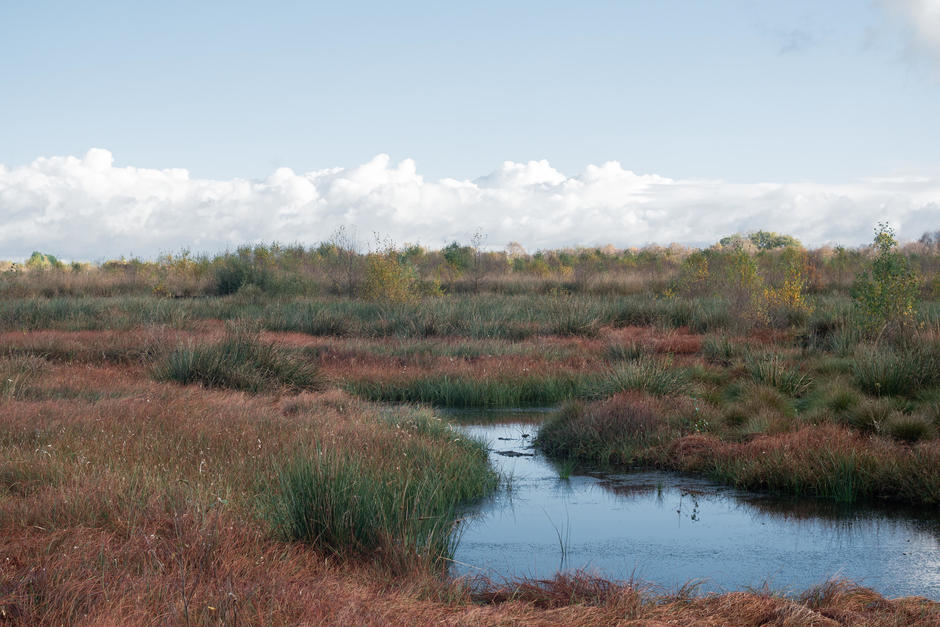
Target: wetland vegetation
(252, 436)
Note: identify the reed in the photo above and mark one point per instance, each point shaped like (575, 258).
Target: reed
(454, 391)
(240, 361)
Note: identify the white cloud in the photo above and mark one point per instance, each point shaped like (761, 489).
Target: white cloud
(86, 208)
(923, 16)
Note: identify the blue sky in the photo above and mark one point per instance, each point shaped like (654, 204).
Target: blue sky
(743, 92)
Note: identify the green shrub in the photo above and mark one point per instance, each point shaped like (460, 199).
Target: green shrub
(887, 292)
(236, 271)
(389, 278)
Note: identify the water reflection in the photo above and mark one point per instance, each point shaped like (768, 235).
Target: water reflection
(669, 529)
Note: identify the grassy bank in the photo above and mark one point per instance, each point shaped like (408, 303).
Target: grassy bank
(195, 441)
(156, 502)
(169, 498)
(788, 421)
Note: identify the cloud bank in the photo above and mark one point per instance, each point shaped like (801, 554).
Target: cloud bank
(923, 16)
(87, 208)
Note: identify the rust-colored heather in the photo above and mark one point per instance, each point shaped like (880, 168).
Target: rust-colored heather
(679, 341)
(135, 504)
(102, 346)
(824, 460)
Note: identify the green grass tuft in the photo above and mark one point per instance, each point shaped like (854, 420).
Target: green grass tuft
(654, 375)
(904, 371)
(772, 370)
(395, 506)
(909, 428)
(240, 361)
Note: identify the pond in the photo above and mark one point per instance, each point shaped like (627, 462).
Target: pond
(668, 530)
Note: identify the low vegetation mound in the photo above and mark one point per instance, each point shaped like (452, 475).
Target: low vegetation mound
(240, 361)
(399, 503)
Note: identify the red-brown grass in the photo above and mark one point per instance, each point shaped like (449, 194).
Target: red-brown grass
(128, 501)
(824, 460)
(136, 507)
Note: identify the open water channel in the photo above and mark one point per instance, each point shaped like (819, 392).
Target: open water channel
(667, 530)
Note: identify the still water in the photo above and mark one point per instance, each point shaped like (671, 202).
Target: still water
(667, 530)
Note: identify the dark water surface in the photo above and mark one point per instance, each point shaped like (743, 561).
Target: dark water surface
(666, 529)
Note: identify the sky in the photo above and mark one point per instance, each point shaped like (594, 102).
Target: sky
(147, 128)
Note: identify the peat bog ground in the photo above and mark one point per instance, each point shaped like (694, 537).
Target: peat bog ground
(255, 438)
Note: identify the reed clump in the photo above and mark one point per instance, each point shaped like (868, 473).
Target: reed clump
(897, 370)
(614, 431)
(656, 375)
(447, 390)
(240, 361)
(397, 508)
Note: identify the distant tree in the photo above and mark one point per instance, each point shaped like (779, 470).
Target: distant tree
(41, 261)
(886, 292)
(736, 242)
(930, 240)
(345, 243)
(768, 240)
(458, 257)
(514, 250)
(389, 275)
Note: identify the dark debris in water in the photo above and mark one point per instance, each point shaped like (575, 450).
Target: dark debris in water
(514, 454)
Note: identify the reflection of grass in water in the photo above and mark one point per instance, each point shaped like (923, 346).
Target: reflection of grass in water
(628, 490)
(563, 534)
(835, 513)
(509, 416)
(827, 513)
(565, 468)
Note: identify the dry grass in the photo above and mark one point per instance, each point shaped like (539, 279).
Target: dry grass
(128, 501)
(822, 461)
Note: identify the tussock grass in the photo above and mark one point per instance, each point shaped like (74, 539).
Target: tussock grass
(720, 349)
(909, 428)
(870, 415)
(400, 508)
(825, 461)
(624, 352)
(897, 371)
(16, 373)
(772, 370)
(399, 504)
(240, 361)
(610, 432)
(655, 375)
(463, 391)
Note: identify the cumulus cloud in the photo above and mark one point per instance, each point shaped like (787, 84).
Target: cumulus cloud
(923, 16)
(87, 208)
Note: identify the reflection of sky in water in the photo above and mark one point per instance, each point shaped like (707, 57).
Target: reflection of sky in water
(667, 530)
